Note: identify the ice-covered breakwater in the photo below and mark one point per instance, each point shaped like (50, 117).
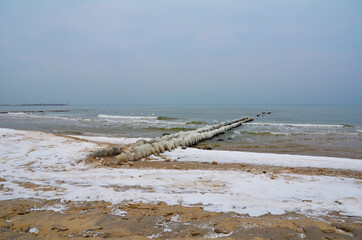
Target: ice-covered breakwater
(143, 148)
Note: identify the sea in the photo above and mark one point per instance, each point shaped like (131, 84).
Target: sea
(316, 130)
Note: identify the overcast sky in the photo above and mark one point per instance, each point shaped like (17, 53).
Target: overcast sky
(192, 52)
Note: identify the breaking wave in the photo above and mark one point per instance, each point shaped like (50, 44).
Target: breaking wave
(14, 113)
(196, 122)
(172, 129)
(126, 117)
(300, 125)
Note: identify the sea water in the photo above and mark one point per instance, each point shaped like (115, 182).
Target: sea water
(320, 130)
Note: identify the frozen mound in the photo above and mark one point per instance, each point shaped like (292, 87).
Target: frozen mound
(142, 148)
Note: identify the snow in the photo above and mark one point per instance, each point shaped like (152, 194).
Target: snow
(33, 230)
(54, 208)
(53, 161)
(285, 160)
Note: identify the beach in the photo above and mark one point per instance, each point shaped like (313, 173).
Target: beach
(51, 188)
(180, 120)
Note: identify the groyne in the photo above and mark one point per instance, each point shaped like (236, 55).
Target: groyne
(39, 111)
(142, 148)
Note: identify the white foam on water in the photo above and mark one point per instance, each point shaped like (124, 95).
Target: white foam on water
(296, 125)
(125, 117)
(16, 113)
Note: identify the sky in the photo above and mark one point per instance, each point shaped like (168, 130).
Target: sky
(181, 52)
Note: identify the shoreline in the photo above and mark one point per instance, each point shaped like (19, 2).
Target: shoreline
(50, 175)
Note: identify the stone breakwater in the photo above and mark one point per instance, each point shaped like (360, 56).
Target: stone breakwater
(142, 148)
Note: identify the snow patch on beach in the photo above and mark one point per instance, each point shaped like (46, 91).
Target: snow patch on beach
(284, 160)
(54, 208)
(47, 160)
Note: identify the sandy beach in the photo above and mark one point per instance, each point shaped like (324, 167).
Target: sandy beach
(52, 189)
(134, 120)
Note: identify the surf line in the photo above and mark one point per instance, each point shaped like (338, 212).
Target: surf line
(142, 148)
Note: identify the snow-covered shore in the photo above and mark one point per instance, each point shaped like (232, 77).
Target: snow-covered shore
(42, 165)
(272, 159)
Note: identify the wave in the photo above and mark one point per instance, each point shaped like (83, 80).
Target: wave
(347, 126)
(126, 117)
(267, 133)
(38, 115)
(298, 125)
(175, 129)
(15, 113)
(237, 133)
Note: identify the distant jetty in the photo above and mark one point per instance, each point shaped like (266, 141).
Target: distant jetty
(40, 111)
(36, 104)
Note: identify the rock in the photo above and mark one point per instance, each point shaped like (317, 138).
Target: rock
(94, 228)
(258, 114)
(208, 147)
(220, 140)
(220, 230)
(194, 232)
(59, 228)
(2, 223)
(183, 147)
(343, 227)
(103, 235)
(328, 230)
(168, 213)
(215, 163)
